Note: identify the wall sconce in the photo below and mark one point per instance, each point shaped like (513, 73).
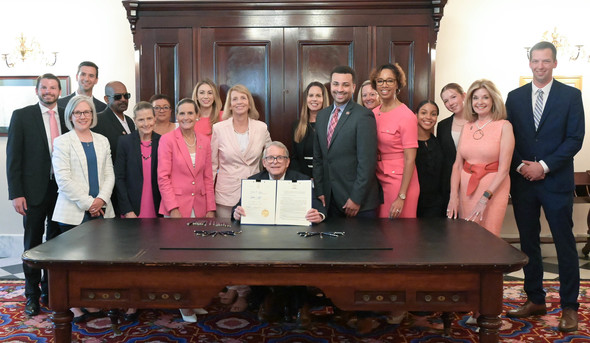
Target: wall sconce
(28, 49)
(562, 45)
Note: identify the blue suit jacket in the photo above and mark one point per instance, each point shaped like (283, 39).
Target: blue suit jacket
(556, 141)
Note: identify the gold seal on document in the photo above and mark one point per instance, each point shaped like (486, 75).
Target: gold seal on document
(265, 213)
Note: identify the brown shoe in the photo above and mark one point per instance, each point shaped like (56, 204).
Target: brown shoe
(569, 320)
(528, 309)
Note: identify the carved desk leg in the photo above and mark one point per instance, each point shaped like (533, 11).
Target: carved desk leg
(63, 326)
(447, 319)
(489, 327)
(114, 316)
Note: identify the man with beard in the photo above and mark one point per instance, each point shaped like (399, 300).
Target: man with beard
(113, 123)
(87, 77)
(31, 185)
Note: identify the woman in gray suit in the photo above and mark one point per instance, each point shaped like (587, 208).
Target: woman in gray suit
(84, 174)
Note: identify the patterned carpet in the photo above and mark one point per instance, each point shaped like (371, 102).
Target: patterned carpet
(220, 326)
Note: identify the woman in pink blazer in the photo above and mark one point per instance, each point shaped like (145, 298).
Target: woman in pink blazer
(236, 148)
(184, 168)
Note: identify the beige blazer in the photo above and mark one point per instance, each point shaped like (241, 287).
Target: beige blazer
(71, 174)
(230, 165)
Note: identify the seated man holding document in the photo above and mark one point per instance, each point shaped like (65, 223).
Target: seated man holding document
(275, 160)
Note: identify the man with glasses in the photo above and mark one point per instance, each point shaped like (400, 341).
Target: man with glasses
(31, 185)
(87, 77)
(113, 123)
(275, 160)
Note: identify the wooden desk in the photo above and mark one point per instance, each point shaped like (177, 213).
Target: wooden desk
(436, 265)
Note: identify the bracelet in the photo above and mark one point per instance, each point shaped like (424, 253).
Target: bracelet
(488, 194)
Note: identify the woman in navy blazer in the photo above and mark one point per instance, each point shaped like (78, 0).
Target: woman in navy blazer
(136, 166)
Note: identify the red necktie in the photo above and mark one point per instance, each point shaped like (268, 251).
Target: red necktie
(53, 129)
(332, 126)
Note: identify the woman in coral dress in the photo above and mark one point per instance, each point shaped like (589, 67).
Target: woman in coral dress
(397, 143)
(480, 183)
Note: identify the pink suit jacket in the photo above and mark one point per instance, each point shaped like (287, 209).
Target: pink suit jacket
(181, 185)
(230, 165)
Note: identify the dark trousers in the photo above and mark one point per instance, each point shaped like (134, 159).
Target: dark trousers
(335, 211)
(558, 208)
(34, 223)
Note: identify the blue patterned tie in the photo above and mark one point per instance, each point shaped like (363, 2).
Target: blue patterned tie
(538, 110)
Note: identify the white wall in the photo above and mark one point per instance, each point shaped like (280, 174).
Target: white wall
(477, 39)
(486, 39)
(95, 30)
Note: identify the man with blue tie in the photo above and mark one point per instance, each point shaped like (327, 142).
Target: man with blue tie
(548, 121)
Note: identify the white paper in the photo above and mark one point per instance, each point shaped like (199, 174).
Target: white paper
(293, 202)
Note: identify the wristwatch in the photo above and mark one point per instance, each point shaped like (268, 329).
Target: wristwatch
(402, 196)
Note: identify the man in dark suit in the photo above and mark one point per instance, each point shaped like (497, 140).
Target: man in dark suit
(113, 123)
(87, 77)
(275, 160)
(548, 121)
(31, 185)
(345, 152)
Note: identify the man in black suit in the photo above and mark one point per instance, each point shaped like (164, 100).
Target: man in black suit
(87, 77)
(345, 152)
(548, 121)
(113, 123)
(31, 185)
(275, 160)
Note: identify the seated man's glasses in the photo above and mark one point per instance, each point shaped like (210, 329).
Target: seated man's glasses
(79, 114)
(118, 96)
(271, 159)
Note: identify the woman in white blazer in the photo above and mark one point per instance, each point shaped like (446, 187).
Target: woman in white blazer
(237, 143)
(84, 173)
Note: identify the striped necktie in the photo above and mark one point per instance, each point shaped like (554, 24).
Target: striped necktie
(332, 126)
(538, 109)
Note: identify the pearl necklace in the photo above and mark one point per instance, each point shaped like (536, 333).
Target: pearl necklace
(478, 134)
(190, 145)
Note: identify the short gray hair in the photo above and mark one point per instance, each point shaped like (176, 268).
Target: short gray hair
(73, 103)
(278, 145)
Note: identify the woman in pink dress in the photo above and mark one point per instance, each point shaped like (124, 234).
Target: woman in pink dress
(479, 183)
(397, 143)
(209, 112)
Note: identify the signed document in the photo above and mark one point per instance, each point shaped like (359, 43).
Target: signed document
(273, 202)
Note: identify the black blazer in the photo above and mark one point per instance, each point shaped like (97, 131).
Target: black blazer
(111, 128)
(99, 105)
(303, 149)
(28, 161)
(129, 175)
(290, 175)
(447, 144)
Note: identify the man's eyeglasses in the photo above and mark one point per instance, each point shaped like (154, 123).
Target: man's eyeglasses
(79, 114)
(270, 159)
(163, 108)
(380, 82)
(118, 96)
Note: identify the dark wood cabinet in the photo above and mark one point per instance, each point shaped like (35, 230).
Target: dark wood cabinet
(276, 48)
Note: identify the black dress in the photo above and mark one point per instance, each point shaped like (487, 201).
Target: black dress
(429, 164)
(302, 154)
(449, 151)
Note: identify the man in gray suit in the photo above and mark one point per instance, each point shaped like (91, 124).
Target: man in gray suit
(345, 152)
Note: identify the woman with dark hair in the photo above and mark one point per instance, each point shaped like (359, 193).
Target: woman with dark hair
(163, 110)
(429, 160)
(397, 142)
(315, 98)
(449, 130)
(209, 112)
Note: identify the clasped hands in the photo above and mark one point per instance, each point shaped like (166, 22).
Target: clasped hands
(532, 171)
(96, 209)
